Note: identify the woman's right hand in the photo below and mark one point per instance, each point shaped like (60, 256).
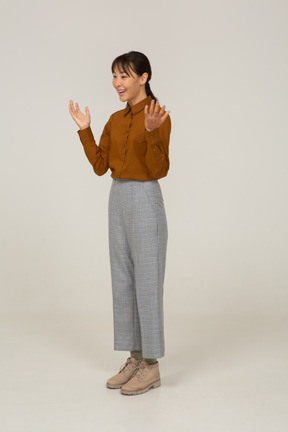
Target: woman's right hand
(82, 120)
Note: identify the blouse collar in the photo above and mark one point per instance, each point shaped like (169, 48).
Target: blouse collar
(137, 107)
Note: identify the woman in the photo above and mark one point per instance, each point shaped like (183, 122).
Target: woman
(134, 145)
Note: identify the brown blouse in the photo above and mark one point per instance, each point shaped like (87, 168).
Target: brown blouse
(127, 148)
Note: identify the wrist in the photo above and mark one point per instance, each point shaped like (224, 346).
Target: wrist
(84, 127)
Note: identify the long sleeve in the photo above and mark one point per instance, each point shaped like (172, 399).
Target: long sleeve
(98, 156)
(157, 154)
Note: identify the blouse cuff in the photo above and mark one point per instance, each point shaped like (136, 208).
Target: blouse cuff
(86, 135)
(152, 138)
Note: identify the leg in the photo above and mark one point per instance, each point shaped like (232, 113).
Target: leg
(136, 355)
(127, 334)
(148, 245)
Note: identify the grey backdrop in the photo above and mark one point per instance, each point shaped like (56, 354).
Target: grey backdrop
(221, 67)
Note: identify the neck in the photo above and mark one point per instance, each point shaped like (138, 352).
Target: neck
(141, 95)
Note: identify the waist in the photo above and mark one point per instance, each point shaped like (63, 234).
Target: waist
(127, 181)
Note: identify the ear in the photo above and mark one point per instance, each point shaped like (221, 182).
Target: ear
(144, 78)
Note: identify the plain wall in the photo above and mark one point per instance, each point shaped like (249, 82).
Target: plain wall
(221, 68)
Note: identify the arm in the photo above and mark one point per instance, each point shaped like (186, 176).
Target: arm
(98, 156)
(157, 133)
(157, 154)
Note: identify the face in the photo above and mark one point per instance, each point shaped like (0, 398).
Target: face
(131, 88)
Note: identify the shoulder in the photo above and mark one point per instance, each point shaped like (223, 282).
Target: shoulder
(115, 118)
(117, 115)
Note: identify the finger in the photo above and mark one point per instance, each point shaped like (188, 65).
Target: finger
(162, 111)
(146, 110)
(71, 107)
(152, 105)
(72, 111)
(78, 111)
(156, 108)
(88, 113)
(163, 118)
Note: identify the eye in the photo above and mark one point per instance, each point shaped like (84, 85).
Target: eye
(124, 76)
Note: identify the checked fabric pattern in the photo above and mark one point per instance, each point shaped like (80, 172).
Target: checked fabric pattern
(137, 244)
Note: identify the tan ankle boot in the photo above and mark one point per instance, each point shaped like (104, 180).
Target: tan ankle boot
(146, 376)
(125, 373)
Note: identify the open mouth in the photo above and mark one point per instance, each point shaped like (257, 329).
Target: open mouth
(121, 92)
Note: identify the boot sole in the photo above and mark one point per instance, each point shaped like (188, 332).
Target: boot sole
(137, 392)
(114, 387)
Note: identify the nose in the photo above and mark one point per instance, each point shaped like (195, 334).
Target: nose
(116, 82)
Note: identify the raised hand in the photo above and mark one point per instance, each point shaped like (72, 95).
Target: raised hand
(82, 120)
(154, 117)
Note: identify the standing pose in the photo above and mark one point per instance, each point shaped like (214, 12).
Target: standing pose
(135, 146)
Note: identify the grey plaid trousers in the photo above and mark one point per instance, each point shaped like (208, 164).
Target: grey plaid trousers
(137, 245)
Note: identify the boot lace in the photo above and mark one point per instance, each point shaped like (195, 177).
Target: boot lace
(126, 367)
(140, 371)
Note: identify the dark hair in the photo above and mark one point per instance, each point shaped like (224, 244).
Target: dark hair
(138, 63)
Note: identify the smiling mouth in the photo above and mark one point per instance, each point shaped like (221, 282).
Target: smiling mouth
(120, 92)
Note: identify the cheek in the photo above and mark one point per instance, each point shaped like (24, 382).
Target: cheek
(137, 86)
(134, 87)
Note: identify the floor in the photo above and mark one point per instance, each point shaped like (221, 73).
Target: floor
(225, 374)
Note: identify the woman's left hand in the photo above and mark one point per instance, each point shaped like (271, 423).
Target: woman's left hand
(153, 117)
